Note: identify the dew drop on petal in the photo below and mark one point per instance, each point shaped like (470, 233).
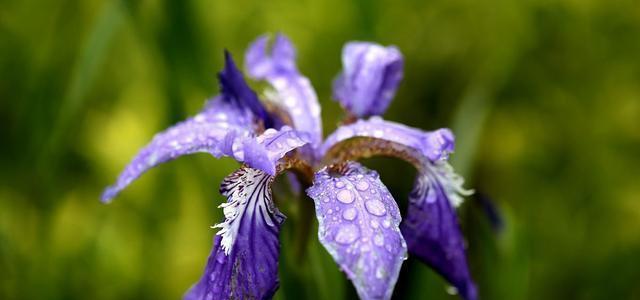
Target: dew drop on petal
(452, 290)
(378, 240)
(347, 234)
(339, 184)
(292, 142)
(386, 223)
(375, 207)
(374, 224)
(380, 272)
(345, 196)
(350, 214)
(362, 185)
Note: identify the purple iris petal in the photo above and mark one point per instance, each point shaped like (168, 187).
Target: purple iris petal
(435, 145)
(432, 228)
(433, 234)
(264, 151)
(235, 90)
(369, 79)
(359, 227)
(244, 261)
(293, 92)
(209, 132)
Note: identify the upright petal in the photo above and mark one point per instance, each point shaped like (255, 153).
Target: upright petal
(369, 79)
(244, 261)
(432, 231)
(235, 90)
(359, 227)
(205, 132)
(293, 92)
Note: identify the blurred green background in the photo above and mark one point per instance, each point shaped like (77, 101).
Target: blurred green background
(544, 97)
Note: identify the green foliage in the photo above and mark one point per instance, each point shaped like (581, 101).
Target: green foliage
(542, 95)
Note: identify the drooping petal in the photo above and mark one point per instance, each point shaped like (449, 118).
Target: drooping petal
(370, 77)
(293, 92)
(244, 261)
(210, 131)
(433, 235)
(359, 227)
(218, 130)
(437, 188)
(235, 90)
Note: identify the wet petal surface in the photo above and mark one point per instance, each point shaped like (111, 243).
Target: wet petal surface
(359, 227)
(292, 92)
(244, 261)
(210, 131)
(431, 228)
(370, 77)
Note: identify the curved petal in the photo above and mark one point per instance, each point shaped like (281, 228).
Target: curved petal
(244, 261)
(264, 151)
(210, 131)
(434, 145)
(292, 91)
(359, 227)
(370, 77)
(432, 233)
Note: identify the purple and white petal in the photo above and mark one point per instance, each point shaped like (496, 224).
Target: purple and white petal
(244, 261)
(433, 235)
(209, 132)
(434, 145)
(358, 225)
(264, 151)
(432, 231)
(292, 92)
(370, 77)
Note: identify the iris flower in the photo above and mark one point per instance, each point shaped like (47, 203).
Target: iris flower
(360, 224)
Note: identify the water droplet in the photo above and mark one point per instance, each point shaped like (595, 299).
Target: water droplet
(365, 248)
(350, 214)
(330, 211)
(375, 207)
(374, 224)
(452, 290)
(347, 234)
(378, 239)
(378, 133)
(339, 184)
(345, 196)
(386, 223)
(381, 272)
(292, 142)
(362, 185)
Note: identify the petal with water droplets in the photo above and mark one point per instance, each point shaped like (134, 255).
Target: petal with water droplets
(431, 230)
(370, 76)
(359, 227)
(293, 92)
(244, 261)
(433, 234)
(210, 131)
